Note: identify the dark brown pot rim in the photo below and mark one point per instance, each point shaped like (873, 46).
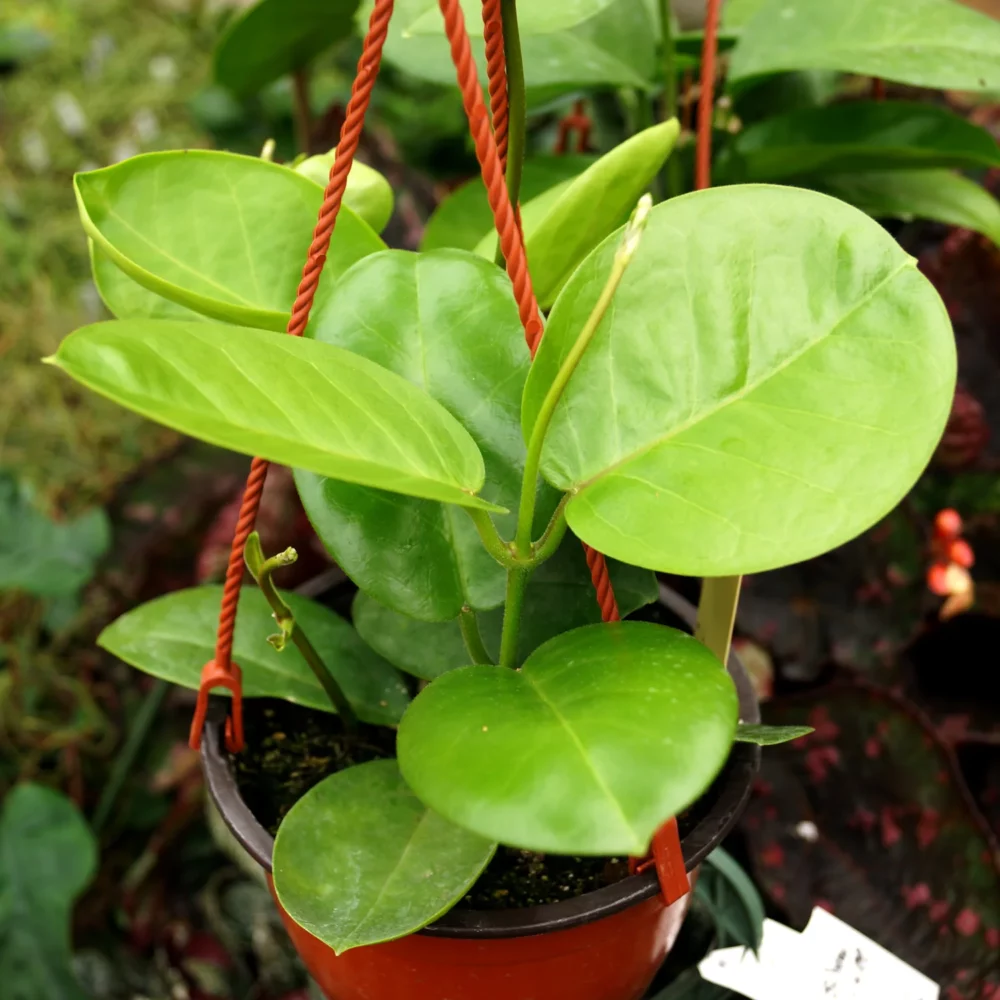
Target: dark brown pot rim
(730, 791)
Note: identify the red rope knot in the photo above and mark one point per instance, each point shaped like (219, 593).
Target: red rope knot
(579, 121)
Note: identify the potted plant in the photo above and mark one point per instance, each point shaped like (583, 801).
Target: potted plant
(734, 380)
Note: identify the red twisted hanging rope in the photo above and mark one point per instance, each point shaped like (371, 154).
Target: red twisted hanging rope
(496, 72)
(505, 219)
(221, 671)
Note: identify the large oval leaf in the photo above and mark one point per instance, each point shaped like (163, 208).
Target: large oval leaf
(221, 234)
(275, 37)
(926, 43)
(857, 135)
(772, 378)
(606, 732)
(533, 19)
(560, 597)
(289, 400)
(563, 225)
(447, 323)
(173, 637)
(368, 193)
(919, 194)
(47, 858)
(615, 48)
(464, 218)
(360, 859)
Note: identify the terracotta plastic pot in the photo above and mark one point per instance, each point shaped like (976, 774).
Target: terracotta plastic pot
(604, 945)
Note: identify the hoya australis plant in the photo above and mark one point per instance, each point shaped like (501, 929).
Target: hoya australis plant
(734, 380)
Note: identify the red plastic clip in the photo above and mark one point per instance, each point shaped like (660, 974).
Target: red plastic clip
(212, 677)
(669, 860)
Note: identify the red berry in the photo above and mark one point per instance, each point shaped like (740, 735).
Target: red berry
(948, 523)
(961, 552)
(937, 579)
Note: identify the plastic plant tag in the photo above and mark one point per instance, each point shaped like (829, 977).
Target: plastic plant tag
(777, 972)
(830, 960)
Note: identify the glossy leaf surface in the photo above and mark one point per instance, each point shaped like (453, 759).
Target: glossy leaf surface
(368, 194)
(572, 220)
(615, 48)
(360, 859)
(769, 736)
(939, 195)
(605, 732)
(926, 43)
(771, 379)
(447, 323)
(858, 135)
(463, 219)
(560, 597)
(173, 637)
(289, 400)
(534, 19)
(48, 856)
(273, 38)
(221, 234)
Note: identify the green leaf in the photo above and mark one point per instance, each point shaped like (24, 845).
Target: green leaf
(44, 557)
(447, 323)
(126, 298)
(939, 195)
(773, 376)
(603, 734)
(360, 859)
(533, 19)
(221, 234)
(563, 225)
(48, 856)
(273, 38)
(732, 899)
(560, 597)
(855, 136)
(737, 13)
(368, 193)
(289, 400)
(769, 736)
(615, 48)
(464, 218)
(925, 43)
(173, 637)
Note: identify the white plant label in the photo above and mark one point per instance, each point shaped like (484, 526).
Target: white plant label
(829, 960)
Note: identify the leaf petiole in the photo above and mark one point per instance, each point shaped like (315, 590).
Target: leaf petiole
(473, 638)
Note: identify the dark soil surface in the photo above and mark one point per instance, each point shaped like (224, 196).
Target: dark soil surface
(290, 749)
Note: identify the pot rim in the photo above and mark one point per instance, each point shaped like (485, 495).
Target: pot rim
(732, 789)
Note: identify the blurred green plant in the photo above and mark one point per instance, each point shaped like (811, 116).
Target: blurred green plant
(48, 856)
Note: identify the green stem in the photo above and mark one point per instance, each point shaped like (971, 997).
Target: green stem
(469, 624)
(673, 169)
(717, 613)
(516, 98)
(492, 541)
(526, 509)
(262, 571)
(553, 535)
(517, 582)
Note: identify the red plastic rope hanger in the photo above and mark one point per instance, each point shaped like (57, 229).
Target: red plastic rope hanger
(221, 672)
